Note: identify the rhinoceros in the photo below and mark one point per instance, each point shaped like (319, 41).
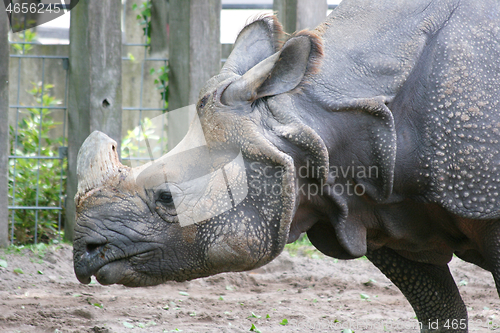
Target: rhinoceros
(377, 134)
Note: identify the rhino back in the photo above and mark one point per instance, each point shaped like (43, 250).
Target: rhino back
(371, 48)
(437, 66)
(447, 114)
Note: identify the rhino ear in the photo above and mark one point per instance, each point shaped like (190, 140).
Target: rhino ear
(257, 41)
(277, 74)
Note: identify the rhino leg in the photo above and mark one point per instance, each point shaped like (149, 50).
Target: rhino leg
(491, 250)
(430, 289)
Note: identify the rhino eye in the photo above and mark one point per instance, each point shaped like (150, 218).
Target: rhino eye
(166, 197)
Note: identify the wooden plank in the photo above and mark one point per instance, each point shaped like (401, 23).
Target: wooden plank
(296, 15)
(286, 10)
(310, 13)
(194, 57)
(4, 129)
(95, 96)
(159, 27)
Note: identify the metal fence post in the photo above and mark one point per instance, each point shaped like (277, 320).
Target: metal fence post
(4, 128)
(194, 56)
(300, 14)
(95, 69)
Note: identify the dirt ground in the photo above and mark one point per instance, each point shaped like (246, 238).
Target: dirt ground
(295, 293)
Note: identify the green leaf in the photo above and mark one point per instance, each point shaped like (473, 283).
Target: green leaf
(268, 316)
(284, 322)
(221, 298)
(370, 282)
(128, 325)
(183, 293)
(3, 263)
(254, 329)
(254, 316)
(40, 272)
(18, 271)
(364, 296)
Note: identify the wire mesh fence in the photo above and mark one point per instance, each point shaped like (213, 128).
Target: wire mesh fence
(150, 100)
(37, 144)
(38, 126)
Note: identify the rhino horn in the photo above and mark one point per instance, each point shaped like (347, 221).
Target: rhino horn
(97, 162)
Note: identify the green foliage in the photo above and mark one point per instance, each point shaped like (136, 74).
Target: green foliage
(254, 329)
(18, 271)
(144, 18)
(253, 315)
(303, 247)
(284, 322)
(134, 143)
(161, 83)
(28, 174)
(128, 325)
(303, 240)
(26, 36)
(39, 250)
(364, 296)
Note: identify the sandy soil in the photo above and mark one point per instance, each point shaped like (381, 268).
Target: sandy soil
(39, 293)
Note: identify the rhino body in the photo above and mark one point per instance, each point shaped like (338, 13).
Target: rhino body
(377, 134)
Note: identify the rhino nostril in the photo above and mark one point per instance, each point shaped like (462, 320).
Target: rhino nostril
(92, 247)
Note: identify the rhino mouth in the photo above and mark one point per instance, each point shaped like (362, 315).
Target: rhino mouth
(106, 265)
(112, 272)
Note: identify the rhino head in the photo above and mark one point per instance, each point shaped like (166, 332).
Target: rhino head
(224, 198)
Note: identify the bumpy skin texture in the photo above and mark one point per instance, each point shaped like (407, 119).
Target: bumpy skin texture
(436, 66)
(429, 288)
(397, 99)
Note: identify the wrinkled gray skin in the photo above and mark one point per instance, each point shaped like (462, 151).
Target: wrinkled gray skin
(409, 88)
